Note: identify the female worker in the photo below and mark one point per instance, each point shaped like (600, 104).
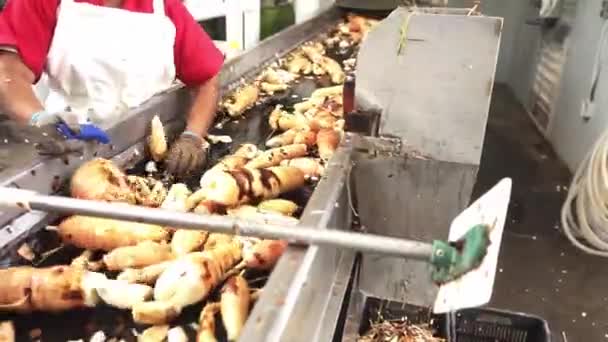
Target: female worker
(103, 57)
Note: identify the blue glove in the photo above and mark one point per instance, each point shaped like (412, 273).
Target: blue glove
(87, 132)
(67, 124)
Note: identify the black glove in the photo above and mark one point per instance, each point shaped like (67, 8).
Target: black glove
(47, 140)
(187, 155)
(60, 147)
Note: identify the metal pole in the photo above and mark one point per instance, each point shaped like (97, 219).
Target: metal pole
(377, 244)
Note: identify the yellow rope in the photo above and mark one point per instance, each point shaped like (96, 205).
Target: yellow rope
(403, 32)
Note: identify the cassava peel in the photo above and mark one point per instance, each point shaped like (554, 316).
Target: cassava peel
(274, 156)
(243, 99)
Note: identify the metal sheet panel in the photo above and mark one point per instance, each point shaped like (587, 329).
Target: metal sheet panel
(436, 95)
(408, 198)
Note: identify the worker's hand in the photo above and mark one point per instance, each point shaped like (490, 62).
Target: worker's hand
(47, 140)
(55, 144)
(60, 148)
(44, 118)
(187, 155)
(64, 135)
(67, 123)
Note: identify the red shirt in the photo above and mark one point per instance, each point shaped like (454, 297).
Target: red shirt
(28, 25)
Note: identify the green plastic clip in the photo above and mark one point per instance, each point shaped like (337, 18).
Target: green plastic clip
(452, 260)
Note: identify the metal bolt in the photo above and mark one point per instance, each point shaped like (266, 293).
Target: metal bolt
(439, 253)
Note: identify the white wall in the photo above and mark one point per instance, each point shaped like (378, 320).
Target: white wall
(525, 46)
(306, 9)
(514, 14)
(571, 136)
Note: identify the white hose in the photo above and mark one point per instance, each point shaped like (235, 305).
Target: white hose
(585, 211)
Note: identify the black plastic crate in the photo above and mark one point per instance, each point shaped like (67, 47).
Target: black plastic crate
(472, 325)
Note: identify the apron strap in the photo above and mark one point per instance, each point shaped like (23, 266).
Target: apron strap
(158, 6)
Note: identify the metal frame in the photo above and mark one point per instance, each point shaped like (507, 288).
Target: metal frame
(299, 283)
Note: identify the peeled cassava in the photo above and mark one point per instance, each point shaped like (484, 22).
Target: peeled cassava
(99, 179)
(106, 234)
(52, 289)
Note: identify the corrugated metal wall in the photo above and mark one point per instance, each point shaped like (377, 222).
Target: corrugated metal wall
(550, 63)
(546, 84)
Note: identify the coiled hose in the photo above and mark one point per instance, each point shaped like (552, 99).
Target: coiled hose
(584, 214)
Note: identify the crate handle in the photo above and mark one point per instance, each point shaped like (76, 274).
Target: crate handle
(494, 319)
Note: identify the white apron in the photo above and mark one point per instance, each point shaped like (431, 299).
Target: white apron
(103, 61)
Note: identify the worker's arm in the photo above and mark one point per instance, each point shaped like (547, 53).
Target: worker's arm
(188, 153)
(203, 108)
(197, 65)
(26, 32)
(17, 97)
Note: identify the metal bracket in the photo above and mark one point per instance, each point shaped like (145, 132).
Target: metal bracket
(375, 145)
(452, 260)
(385, 146)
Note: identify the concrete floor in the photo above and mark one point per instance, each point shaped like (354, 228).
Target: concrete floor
(540, 272)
